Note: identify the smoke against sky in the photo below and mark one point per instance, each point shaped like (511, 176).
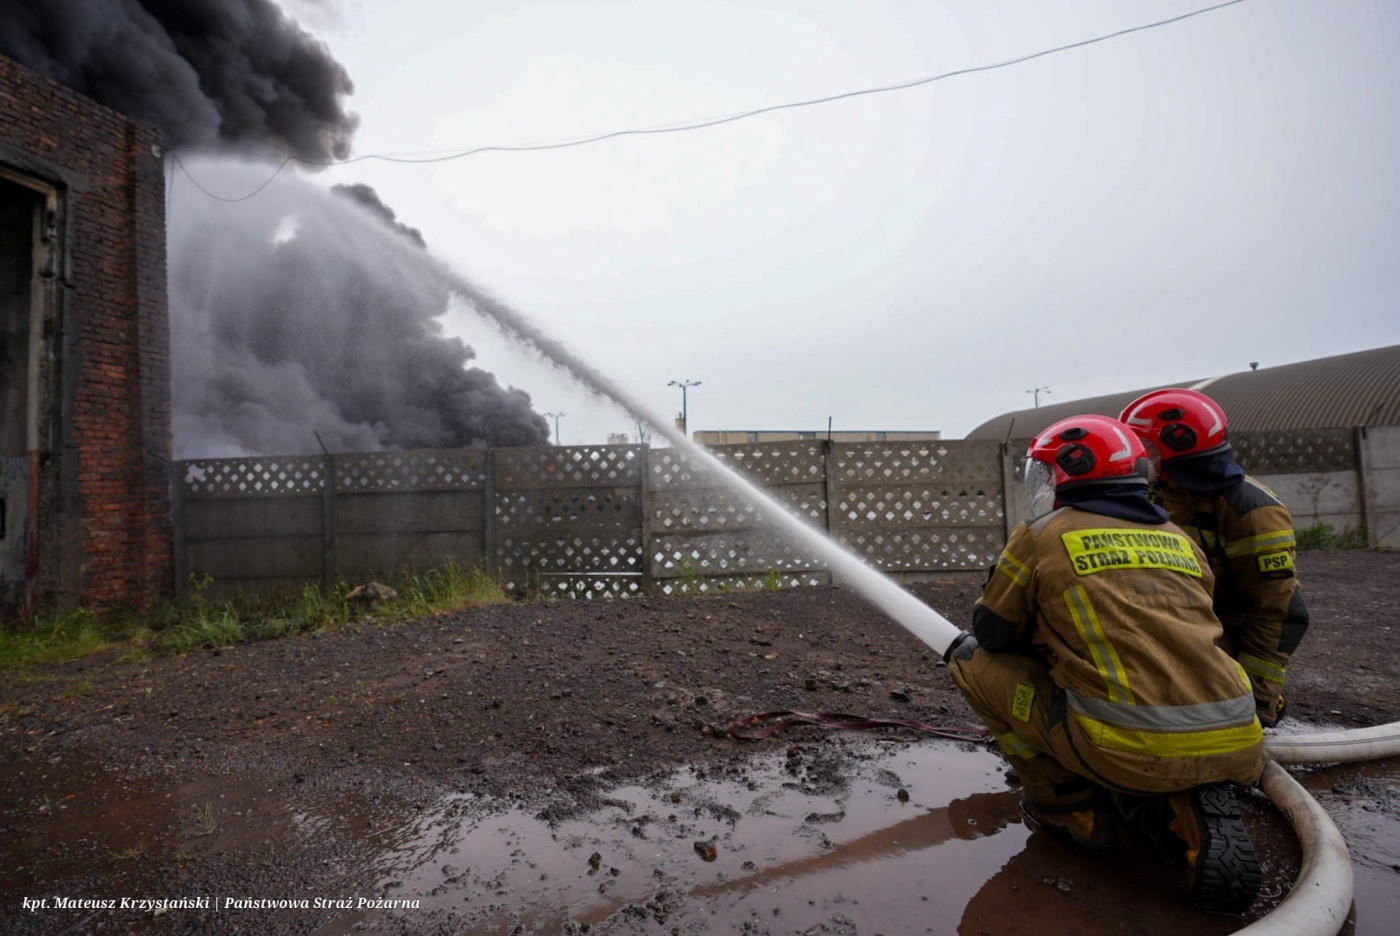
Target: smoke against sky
(207, 72)
(311, 312)
(305, 312)
(369, 198)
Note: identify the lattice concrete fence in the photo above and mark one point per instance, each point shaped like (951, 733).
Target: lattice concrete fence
(1346, 478)
(584, 520)
(625, 520)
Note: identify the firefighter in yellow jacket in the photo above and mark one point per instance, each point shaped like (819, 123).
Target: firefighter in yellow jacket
(1245, 530)
(1093, 660)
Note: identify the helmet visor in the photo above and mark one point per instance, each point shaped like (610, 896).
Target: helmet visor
(1039, 487)
(1154, 460)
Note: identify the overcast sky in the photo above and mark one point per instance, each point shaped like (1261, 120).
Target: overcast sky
(1171, 204)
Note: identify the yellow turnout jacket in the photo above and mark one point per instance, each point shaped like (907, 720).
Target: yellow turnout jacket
(1247, 534)
(1121, 613)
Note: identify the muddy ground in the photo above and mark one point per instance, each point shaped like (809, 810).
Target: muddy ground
(561, 767)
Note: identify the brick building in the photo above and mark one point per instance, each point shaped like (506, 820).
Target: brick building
(84, 352)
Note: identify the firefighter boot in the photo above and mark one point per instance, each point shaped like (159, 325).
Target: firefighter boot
(1087, 825)
(1224, 865)
(1269, 719)
(1149, 816)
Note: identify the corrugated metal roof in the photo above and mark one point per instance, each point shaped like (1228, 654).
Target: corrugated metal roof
(1359, 389)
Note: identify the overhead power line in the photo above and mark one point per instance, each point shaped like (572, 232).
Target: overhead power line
(707, 122)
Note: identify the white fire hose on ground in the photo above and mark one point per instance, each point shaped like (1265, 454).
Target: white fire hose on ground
(1321, 897)
(1336, 747)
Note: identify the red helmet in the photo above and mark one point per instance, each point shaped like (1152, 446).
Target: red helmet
(1179, 422)
(1090, 449)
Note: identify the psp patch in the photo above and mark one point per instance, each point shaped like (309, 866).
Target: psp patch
(1022, 702)
(1275, 565)
(1093, 551)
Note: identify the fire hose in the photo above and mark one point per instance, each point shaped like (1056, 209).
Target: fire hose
(1321, 896)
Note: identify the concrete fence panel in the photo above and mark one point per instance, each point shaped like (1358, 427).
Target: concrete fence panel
(623, 520)
(920, 507)
(568, 520)
(1380, 465)
(705, 533)
(1331, 497)
(248, 524)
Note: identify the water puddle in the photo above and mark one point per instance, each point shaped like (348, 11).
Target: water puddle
(847, 835)
(912, 839)
(1364, 801)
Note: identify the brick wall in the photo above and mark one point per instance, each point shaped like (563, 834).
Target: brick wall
(103, 460)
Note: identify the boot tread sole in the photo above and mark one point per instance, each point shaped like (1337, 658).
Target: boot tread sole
(1226, 878)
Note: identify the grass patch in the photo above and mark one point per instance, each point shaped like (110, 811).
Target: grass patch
(449, 587)
(1358, 537)
(130, 854)
(60, 637)
(1324, 536)
(206, 819)
(1318, 536)
(197, 622)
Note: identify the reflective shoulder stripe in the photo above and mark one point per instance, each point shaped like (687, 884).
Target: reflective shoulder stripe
(1250, 545)
(1200, 716)
(1110, 667)
(1172, 743)
(1014, 569)
(1263, 669)
(1015, 747)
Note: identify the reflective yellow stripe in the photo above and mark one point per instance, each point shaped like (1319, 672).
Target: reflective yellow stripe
(1266, 670)
(1110, 667)
(1015, 747)
(1244, 677)
(1014, 569)
(1194, 716)
(1174, 743)
(1264, 542)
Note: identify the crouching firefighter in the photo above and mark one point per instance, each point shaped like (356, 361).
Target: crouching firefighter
(1245, 530)
(1093, 660)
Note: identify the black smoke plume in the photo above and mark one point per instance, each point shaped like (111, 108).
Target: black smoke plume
(368, 197)
(299, 312)
(310, 312)
(206, 72)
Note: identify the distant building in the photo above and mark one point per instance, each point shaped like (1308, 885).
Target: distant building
(1358, 389)
(748, 436)
(619, 438)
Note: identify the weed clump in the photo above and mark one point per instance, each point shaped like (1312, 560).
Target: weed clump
(198, 621)
(1324, 536)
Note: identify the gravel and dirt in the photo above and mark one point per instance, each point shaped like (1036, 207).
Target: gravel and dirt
(369, 763)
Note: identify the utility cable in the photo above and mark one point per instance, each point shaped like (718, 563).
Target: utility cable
(710, 121)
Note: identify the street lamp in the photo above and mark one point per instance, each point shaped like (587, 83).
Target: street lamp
(684, 385)
(1038, 391)
(556, 424)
